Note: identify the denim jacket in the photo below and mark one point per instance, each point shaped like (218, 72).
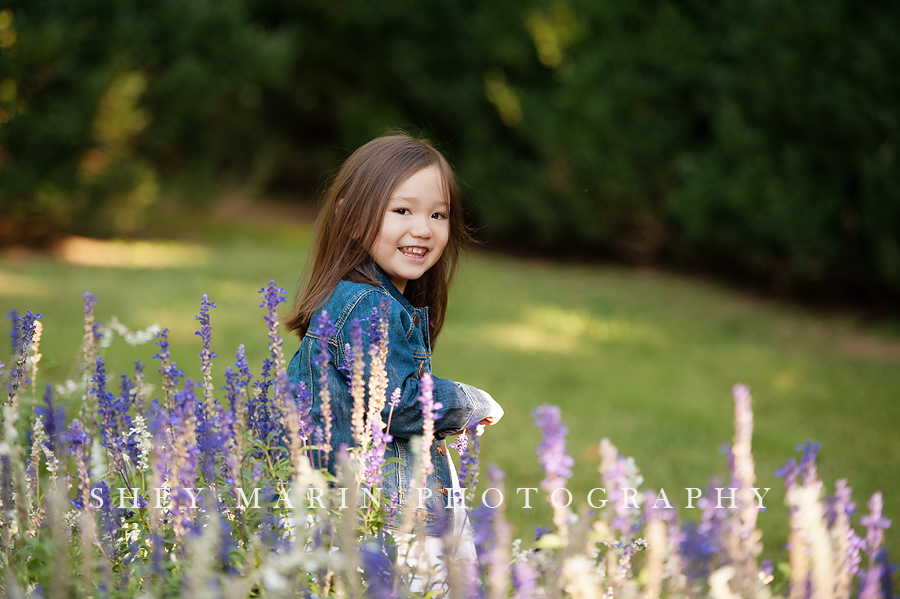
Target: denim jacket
(409, 357)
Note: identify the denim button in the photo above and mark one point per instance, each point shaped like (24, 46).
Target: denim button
(421, 370)
(443, 449)
(416, 319)
(445, 491)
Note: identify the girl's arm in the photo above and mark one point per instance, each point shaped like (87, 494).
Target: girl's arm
(462, 405)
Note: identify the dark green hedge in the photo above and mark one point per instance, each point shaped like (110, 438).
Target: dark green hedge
(758, 137)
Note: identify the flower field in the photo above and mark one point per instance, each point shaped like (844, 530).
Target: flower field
(189, 489)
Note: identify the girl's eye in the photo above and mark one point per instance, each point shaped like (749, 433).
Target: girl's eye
(439, 215)
(401, 211)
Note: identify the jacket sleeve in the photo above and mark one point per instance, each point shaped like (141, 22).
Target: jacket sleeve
(462, 405)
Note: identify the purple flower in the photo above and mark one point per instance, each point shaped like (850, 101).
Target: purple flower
(110, 522)
(170, 372)
(325, 330)
(808, 461)
(282, 411)
(210, 428)
(76, 434)
(393, 403)
(374, 460)
(429, 409)
(392, 510)
(499, 528)
(257, 473)
(115, 423)
(125, 443)
(461, 444)
(271, 527)
(185, 457)
(356, 350)
(79, 443)
(159, 425)
(469, 464)
(791, 470)
(525, 580)
(90, 301)
(106, 407)
(13, 317)
(710, 529)
(206, 354)
(228, 548)
(875, 524)
(231, 450)
(260, 408)
(303, 397)
(6, 486)
(840, 509)
(788, 472)
(395, 398)
(551, 450)
(272, 296)
(26, 328)
(379, 571)
(854, 553)
(91, 326)
(615, 480)
(878, 581)
(237, 381)
(54, 420)
(139, 384)
(318, 436)
(380, 316)
(697, 548)
(346, 361)
(482, 519)
(356, 383)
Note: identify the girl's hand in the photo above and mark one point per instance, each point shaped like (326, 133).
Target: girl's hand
(495, 414)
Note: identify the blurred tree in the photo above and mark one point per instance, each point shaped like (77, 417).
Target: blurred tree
(755, 137)
(113, 97)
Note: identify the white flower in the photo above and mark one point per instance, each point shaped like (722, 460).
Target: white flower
(131, 533)
(132, 338)
(144, 440)
(70, 387)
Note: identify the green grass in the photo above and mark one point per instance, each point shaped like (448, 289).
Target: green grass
(645, 358)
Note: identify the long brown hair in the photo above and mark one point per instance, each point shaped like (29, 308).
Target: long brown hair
(350, 221)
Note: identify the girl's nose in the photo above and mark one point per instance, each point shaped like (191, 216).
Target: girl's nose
(421, 228)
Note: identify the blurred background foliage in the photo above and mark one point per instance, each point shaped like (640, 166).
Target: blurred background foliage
(755, 138)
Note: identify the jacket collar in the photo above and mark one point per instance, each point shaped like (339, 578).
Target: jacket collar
(371, 268)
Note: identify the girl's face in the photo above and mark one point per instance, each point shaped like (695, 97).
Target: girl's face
(415, 229)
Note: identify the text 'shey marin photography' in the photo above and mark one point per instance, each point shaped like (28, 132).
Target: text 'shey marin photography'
(491, 498)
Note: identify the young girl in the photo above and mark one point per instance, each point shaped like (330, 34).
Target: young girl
(391, 227)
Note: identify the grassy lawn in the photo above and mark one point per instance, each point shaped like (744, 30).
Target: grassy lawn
(645, 358)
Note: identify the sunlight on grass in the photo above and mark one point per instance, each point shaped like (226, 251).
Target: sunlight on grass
(82, 251)
(22, 285)
(556, 330)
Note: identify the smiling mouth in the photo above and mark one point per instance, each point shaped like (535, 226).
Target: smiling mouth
(413, 252)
